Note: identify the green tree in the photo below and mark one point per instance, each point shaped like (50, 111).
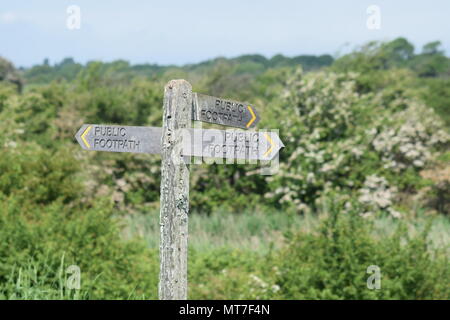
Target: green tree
(9, 73)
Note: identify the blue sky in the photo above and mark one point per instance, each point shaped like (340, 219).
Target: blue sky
(180, 32)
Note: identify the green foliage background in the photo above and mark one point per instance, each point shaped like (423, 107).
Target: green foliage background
(367, 142)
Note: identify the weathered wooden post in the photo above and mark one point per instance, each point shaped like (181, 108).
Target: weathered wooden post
(174, 192)
(180, 108)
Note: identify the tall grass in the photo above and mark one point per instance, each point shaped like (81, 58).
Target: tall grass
(251, 230)
(261, 231)
(34, 281)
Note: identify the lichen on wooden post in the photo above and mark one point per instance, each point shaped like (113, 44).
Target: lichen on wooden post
(174, 192)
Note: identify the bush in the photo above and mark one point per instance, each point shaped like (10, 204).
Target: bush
(46, 227)
(55, 237)
(333, 263)
(339, 137)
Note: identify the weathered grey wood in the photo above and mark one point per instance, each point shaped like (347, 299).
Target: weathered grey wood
(114, 138)
(231, 144)
(210, 143)
(174, 192)
(224, 111)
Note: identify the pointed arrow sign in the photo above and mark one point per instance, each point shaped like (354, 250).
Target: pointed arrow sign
(119, 138)
(232, 144)
(211, 143)
(224, 112)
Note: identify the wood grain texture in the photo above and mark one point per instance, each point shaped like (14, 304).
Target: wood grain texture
(174, 192)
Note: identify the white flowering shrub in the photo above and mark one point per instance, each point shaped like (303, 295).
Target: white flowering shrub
(377, 195)
(261, 289)
(410, 138)
(321, 145)
(340, 140)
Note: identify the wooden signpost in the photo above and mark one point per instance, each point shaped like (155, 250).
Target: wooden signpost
(225, 112)
(209, 143)
(176, 141)
(112, 138)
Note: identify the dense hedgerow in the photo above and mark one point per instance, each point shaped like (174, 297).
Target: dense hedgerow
(46, 227)
(41, 236)
(339, 138)
(333, 263)
(54, 237)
